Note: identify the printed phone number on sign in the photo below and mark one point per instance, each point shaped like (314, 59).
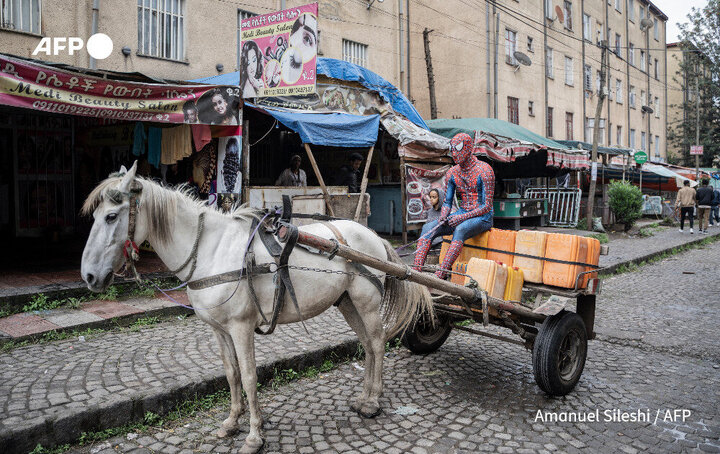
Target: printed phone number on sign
(93, 112)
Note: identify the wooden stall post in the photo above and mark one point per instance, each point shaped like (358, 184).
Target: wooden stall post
(326, 195)
(403, 199)
(363, 186)
(246, 162)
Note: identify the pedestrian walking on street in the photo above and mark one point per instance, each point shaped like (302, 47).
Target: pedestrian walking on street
(705, 197)
(686, 202)
(715, 208)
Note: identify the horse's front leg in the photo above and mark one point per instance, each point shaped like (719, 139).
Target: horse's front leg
(232, 372)
(244, 340)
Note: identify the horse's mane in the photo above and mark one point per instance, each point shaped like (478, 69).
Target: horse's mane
(160, 203)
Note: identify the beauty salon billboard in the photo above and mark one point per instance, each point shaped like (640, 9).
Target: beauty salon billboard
(35, 86)
(279, 53)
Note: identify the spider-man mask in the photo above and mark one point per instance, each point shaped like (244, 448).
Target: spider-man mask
(461, 148)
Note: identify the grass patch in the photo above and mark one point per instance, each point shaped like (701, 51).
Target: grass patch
(112, 293)
(466, 322)
(144, 321)
(601, 237)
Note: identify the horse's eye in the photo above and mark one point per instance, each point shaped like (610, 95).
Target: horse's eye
(110, 218)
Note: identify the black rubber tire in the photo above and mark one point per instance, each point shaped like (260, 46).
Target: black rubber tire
(559, 353)
(423, 338)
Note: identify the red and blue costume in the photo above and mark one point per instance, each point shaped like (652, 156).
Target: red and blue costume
(474, 182)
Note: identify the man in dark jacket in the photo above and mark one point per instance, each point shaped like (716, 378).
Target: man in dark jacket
(705, 197)
(350, 175)
(715, 208)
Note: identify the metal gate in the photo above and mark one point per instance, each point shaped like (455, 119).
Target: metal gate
(564, 204)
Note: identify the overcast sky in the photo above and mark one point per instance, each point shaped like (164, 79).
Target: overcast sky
(677, 11)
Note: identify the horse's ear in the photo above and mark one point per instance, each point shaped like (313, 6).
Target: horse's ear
(128, 178)
(123, 170)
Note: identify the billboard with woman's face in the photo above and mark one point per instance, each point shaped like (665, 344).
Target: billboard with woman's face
(279, 53)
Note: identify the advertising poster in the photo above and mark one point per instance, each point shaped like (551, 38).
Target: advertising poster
(40, 87)
(278, 53)
(229, 176)
(418, 183)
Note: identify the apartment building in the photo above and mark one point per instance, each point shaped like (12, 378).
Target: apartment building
(477, 75)
(186, 39)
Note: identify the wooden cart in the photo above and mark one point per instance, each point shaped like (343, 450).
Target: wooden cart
(555, 327)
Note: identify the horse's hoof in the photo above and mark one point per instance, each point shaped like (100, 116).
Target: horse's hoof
(251, 446)
(225, 432)
(369, 410)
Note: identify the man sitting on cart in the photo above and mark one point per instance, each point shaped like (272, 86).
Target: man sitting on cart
(474, 182)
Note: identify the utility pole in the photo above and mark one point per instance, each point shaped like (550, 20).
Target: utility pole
(697, 122)
(596, 137)
(431, 76)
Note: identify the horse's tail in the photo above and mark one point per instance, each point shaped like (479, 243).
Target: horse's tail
(403, 301)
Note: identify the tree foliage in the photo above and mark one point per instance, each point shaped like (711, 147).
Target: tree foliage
(700, 67)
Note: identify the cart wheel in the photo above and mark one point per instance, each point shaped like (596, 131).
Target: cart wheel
(426, 338)
(559, 353)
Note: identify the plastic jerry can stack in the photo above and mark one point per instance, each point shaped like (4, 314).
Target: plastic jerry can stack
(469, 249)
(569, 248)
(485, 272)
(593, 258)
(458, 267)
(501, 279)
(531, 242)
(503, 240)
(513, 288)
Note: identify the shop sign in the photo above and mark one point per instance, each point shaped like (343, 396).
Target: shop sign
(44, 88)
(278, 54)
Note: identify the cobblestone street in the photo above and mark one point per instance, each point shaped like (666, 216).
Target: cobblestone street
(656, 353)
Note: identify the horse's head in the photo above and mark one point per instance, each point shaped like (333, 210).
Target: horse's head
(110, 206)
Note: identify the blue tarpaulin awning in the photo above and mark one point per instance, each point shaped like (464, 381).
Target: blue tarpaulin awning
(329, 129)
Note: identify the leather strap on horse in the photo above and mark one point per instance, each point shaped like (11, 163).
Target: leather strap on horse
(193, 252)
(358, 266)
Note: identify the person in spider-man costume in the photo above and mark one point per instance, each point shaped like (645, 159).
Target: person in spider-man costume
(474, 182)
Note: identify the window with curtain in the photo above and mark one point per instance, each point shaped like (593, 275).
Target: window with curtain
(161, 28)
(568, 126)
(549, 122)
(549, 62)
(510, 46)
(513, 110)
(569, 78)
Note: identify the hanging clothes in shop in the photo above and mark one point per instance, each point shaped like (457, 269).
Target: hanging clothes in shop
(176, 144)
(201, 136)
(139, 137)
(154, 146)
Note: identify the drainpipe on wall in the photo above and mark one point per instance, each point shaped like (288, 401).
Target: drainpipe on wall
(627, 72)
(401, 28)
(582, 71)
(407, 65)
(487, 56)
(495, 83)
(665, 120)
(545, 51)
(95, 14)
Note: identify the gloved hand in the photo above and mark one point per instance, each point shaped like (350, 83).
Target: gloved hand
(444, 212)
(454, 220)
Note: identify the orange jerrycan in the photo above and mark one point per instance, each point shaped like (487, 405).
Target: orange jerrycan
(503, 240)
(571, 248)
(458, 267)
(530, 242)
(501, 278)
(513, 288)
(470, 247)
(593, 258)
(483, 271)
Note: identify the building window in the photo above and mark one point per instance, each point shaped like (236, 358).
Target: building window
(632, 138)
(587, 27)
(587, 78)
(656, 29)
(618, 91)
(510, 47)
(569, 78)
(631, 54)
(618, 5)
(656, 107)
(568, 15)
(618, 136)
(618, 44)
(600, 35)
(568, 126)
(643, 140)
(549, 122)
(597, 81)
(513, 110)
(657, 146)
(642, 13)
(656, 69)
(643, 102)
(642, 61)
(549, 62)
(354, 52)
(589, 130)
(530, 47)
(161, 28)
(631, 10)
(632, 96)
(21, 15)
(242, 15)
(531, 108)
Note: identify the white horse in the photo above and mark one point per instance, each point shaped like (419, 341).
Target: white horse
(169, 220)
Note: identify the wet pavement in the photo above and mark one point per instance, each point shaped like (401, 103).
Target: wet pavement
(651, 383)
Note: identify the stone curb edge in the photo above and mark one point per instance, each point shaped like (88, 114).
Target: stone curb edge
(68, 425)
